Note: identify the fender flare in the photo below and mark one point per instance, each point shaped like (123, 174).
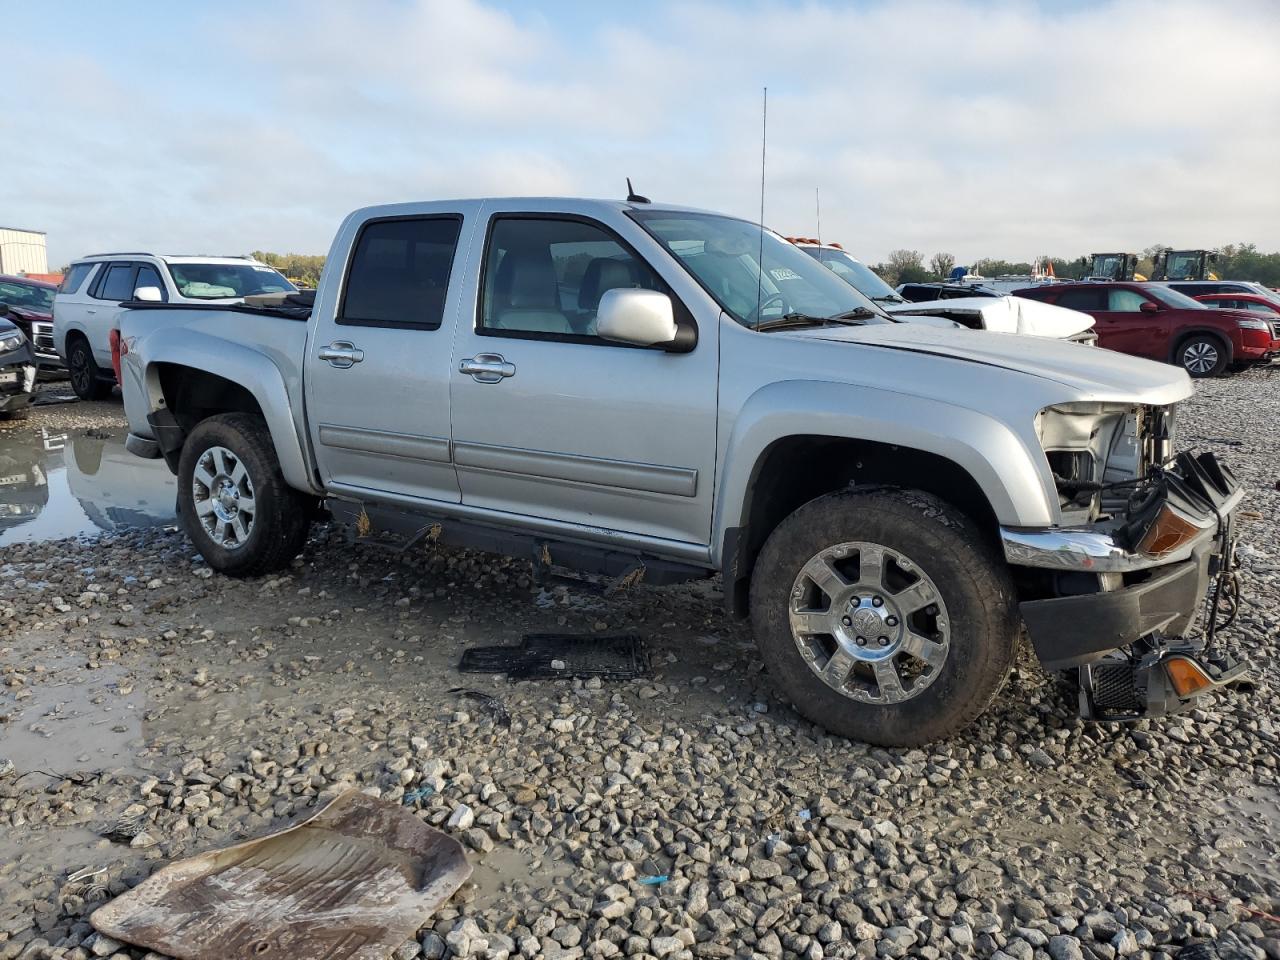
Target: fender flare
(1006, 469)
(1219, 335)
(252, 370)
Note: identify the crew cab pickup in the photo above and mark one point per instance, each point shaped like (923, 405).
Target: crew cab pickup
(620, 388)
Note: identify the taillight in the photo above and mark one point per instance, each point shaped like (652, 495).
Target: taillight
(118, 349)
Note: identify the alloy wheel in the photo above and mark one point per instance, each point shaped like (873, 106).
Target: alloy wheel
(223, 494)
(869, 622)
(1200, 357)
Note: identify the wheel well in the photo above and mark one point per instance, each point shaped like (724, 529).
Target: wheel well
(795, 470)
(191, 395)
(71, 337)
(1218, 335)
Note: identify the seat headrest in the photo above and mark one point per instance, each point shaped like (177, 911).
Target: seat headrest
(526, 279)
(603, 273)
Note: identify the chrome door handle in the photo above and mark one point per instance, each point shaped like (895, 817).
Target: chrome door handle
(487, 368)
(341, 354)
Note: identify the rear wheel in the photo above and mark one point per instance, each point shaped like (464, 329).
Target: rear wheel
(1202, 355)
(883, 616)
(236, 507)
(86, 376)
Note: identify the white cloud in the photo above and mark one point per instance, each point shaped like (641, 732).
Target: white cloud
(996, 129)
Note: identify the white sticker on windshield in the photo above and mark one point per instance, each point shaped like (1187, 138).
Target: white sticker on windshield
(265, 269)
(784, 273)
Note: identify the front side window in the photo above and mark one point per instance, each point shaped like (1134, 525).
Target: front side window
(1125, 301)
(725, 256)
(399, 275)
(546, 276)
(118, 283)
(74, 277)
(149, 277)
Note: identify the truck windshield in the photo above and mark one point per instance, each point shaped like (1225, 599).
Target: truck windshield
(27, 295)
(855, 273)
(216, 281)
(724, 255)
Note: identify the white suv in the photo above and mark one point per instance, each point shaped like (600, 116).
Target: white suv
(87, 306)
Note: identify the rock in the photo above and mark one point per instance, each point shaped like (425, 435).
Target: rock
(1065, 948)
(462, 817)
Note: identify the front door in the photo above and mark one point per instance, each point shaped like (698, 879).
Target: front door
(553, 422)
(1131, 329)
(377, 381)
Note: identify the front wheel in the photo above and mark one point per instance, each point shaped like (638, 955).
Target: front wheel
(86, 377)
(1202, 355)
(883, 616)
(236, 507)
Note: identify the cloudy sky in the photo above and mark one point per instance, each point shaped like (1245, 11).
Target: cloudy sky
(1003, 129)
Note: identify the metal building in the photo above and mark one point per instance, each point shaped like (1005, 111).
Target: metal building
(22, 251)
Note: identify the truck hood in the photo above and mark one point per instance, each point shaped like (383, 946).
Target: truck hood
(1091, 372)
(1004, 315)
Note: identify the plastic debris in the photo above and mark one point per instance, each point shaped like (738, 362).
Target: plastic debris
(655, 881)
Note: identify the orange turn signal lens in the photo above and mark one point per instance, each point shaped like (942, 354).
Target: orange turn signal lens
(1186, 676)
(1167, 534)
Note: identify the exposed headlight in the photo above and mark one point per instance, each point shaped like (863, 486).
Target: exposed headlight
(1254, 325)
(11, 340)
(1090, 446)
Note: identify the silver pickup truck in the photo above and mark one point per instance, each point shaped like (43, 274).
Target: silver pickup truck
(620, 388)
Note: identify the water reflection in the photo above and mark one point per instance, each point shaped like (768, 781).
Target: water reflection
(55, 485)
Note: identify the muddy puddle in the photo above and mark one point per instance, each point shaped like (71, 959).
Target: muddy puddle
(73, 720)
(55, 485)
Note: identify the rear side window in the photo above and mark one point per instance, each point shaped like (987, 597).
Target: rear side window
(1044, 293)
(399, 273)
(118, 283)
(1083, 299)
(74, 278)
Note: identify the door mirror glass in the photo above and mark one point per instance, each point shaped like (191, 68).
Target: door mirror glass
(1149, 307)
(148, 294)
(630, 315)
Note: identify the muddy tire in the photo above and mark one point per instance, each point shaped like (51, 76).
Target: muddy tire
(884, 616)
(234, 502)
(1203, 355)
(86, 375)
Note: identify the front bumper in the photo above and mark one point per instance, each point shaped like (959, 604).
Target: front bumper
(1121, 627)
(17, 378)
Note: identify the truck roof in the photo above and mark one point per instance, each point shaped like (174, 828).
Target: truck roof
(567, 204)
(166, 257)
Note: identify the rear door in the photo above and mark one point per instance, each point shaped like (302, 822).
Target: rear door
(377, 378)
(113, 284)
(553, 423)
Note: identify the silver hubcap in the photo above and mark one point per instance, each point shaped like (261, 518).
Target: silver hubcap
(1200, 357)
(223, 496)
(869, 622)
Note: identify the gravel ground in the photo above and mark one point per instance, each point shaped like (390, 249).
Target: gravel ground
(143, 697)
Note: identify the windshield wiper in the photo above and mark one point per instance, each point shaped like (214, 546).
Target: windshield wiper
(888, 298)
(793, 319)
(857, 313)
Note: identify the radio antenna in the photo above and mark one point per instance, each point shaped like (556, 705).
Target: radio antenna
(764, 142)
(817, 205)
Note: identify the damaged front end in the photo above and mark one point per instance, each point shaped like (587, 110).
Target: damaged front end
(1145, 556)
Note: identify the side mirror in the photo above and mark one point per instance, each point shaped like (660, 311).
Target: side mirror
(643, 317)
(148, 294)
(1149, 307)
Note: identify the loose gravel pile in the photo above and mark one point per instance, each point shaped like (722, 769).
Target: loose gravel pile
(150, 710)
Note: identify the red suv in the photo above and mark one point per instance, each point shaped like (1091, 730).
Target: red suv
(1150, 320)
